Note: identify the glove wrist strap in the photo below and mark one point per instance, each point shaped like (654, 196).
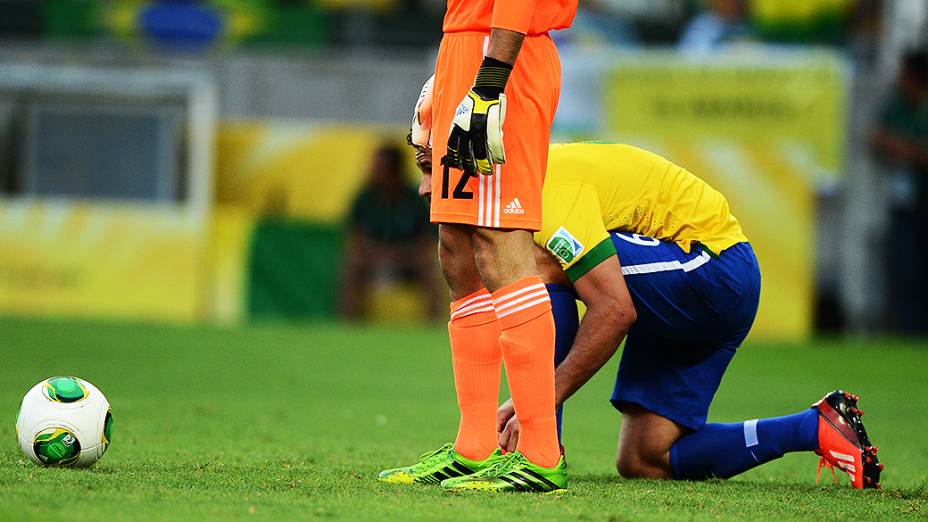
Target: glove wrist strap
(492, 78)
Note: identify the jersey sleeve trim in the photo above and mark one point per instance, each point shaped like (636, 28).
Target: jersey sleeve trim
(601, 252)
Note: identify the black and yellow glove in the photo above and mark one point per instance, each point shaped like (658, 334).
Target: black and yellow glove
(475, 144)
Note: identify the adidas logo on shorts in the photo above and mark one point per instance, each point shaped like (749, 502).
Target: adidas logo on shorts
(514, 207)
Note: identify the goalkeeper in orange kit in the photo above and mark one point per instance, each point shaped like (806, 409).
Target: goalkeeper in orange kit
(496, 88)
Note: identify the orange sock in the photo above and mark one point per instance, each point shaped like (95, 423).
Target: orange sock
(527, 342)
(476, 359)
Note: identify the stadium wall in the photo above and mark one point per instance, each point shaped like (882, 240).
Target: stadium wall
(767, 132)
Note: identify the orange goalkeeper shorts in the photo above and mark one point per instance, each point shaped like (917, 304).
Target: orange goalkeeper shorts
(511, 198)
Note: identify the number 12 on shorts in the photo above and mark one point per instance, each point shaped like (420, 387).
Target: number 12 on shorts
(460, 190)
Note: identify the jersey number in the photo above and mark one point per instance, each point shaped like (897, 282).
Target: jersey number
(460, 191)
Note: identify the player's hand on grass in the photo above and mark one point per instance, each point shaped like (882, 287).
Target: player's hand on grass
(475, 144)
(507, 425)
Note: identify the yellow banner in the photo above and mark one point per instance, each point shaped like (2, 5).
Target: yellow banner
(99, 261)
(806, 11)
(226, 285)
(798, 109)
(297, 170)
(765, 135)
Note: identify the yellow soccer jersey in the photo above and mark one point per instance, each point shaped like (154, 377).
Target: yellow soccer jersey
(593, 188)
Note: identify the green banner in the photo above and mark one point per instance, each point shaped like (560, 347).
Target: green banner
(294, 270)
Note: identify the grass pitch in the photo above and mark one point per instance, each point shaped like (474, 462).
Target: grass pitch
(283, 422)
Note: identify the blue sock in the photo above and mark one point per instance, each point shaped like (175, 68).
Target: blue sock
(725, 450)
(566, 322)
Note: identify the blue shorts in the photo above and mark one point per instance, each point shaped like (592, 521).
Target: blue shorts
(694, 310)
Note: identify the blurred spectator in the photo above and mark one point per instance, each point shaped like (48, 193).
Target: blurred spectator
(598, 25)
(723, 22)
(865, 31)
(389, 238)
(901, 143)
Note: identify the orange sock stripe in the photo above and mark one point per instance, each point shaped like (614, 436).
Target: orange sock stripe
(505, 294)
(516, 300)
(520, 304)
(479, 295)
(478, 307)
(521, 301)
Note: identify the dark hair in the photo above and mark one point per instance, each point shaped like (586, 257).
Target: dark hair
(915, 64)
(393, 154)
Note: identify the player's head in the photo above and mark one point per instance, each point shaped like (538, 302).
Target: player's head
(727, 9)
(420, 137)
(386, 172)
(424, 162)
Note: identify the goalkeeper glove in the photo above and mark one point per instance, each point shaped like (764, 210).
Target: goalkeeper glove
(420, 132)
(475, 144)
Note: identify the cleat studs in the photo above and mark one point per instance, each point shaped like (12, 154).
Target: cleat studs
(878, 486)
(854, 410)
(874, 449)
(847, 395)
(867, 480)
(869, 460)
(860, 412)
(880, 467)
(855, 398)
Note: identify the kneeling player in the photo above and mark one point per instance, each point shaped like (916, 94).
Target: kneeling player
(656, 256)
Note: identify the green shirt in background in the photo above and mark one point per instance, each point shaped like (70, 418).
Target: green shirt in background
(903, 117)
(390, 219)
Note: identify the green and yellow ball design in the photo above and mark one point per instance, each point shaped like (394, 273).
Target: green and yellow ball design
(57, 447)
(107, 429)
(64, 389)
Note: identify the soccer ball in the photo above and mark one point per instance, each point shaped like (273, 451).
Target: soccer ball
(64, 421)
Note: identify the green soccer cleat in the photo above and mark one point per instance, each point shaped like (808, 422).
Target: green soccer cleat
(436, 466)
(514, 473)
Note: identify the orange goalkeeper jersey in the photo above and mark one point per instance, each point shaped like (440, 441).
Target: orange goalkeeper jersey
(530, 17)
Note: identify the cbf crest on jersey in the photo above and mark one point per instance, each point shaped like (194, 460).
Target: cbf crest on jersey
(564, 246)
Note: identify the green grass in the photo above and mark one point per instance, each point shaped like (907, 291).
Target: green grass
(285, 422)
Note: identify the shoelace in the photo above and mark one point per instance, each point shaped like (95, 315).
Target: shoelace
(502, 466)
(430, 456)
(823, 463)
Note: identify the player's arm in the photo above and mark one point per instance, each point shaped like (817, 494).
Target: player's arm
(899, 148)
(475, 143)
(574, 233)
(510, 23)
(504, 45)
(893, 145)
(610, 314)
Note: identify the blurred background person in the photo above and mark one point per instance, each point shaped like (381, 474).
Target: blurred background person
(389, 238)
(901, 145)
(598, 24)
(722, 22)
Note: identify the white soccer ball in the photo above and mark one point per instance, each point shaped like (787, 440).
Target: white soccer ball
(64, 421)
